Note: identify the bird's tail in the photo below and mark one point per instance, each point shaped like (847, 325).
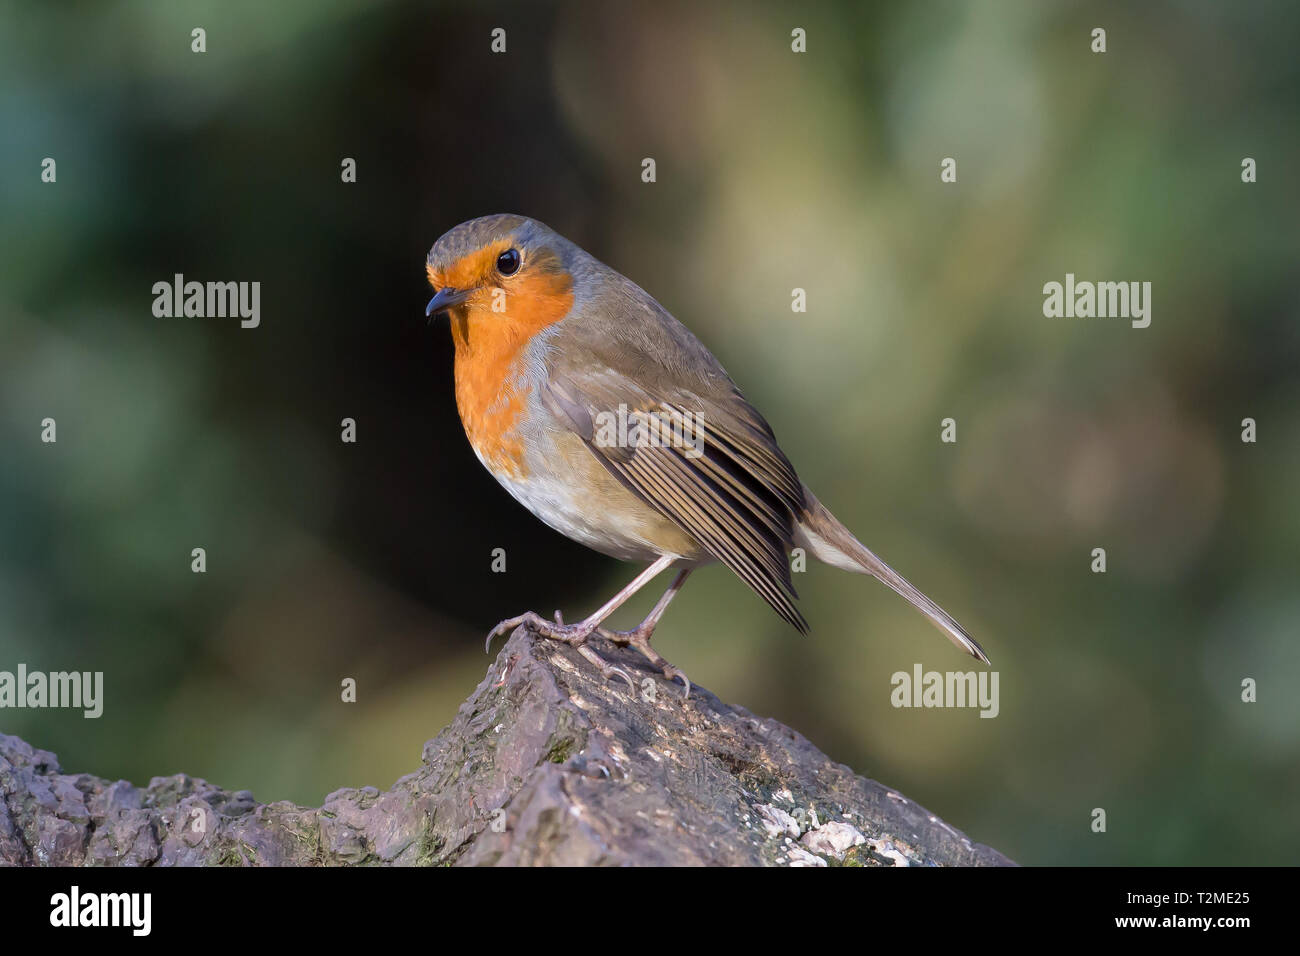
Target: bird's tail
(821, 533)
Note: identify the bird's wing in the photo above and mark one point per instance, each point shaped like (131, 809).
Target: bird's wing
(715, 470)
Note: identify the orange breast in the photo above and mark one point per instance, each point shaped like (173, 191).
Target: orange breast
(489, 348)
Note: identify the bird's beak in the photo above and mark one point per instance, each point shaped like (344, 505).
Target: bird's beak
(445, 298)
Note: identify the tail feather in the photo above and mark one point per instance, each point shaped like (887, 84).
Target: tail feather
(821, 533)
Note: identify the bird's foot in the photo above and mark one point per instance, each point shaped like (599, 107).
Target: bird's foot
(639, 638)
(575, 635)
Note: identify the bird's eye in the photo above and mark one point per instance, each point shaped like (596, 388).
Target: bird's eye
(508, 262)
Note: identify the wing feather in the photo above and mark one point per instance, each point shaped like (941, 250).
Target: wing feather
(738, 498)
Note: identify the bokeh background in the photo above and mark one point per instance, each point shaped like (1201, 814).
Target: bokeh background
(775, 170)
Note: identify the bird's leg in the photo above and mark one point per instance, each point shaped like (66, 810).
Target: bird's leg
(639, 636)
(576, 635)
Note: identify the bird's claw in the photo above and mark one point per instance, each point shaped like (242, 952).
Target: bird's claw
(671, 672)
(528, 618)
(607, 670)
(575, 635)
(640, 640)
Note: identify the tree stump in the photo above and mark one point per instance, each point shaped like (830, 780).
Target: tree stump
(546, 763)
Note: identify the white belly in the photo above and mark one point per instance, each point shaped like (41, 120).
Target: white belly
(604, 530)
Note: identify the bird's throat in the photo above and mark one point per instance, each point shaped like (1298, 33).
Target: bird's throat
(490, 351)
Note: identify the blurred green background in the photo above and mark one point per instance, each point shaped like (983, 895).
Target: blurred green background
(775, 170)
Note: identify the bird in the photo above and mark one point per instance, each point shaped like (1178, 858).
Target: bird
(609, 420)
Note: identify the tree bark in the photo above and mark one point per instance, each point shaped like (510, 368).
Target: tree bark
(545, 763)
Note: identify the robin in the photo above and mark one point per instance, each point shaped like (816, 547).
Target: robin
(606, 418)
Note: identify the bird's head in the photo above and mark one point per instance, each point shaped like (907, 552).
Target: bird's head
(500, 277)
